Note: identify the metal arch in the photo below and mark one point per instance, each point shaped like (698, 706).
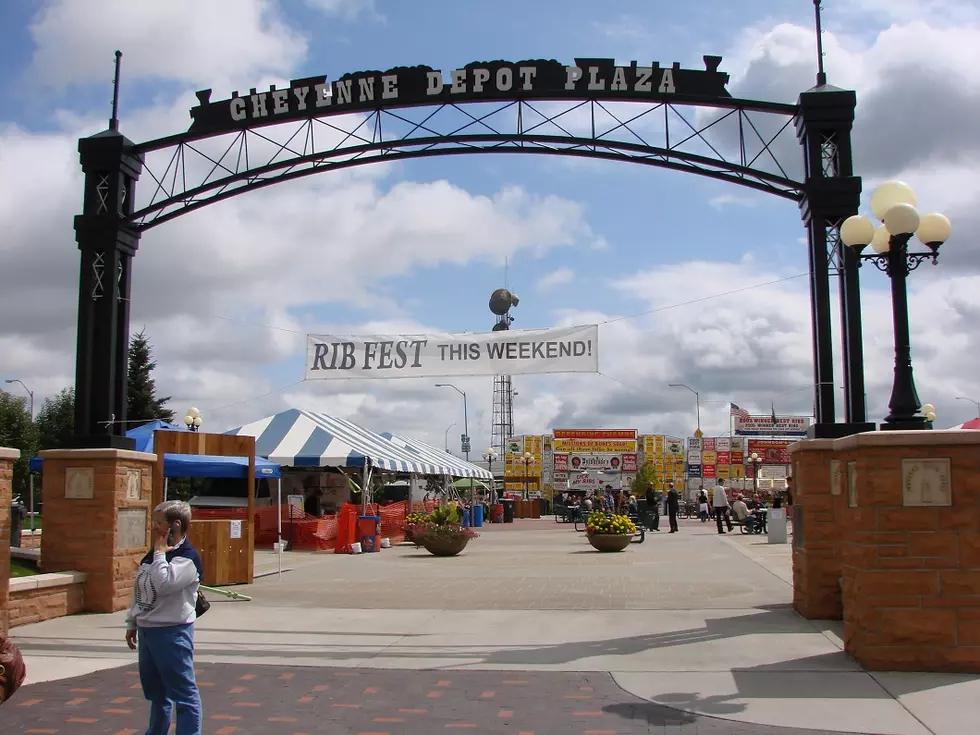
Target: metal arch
(186, 177)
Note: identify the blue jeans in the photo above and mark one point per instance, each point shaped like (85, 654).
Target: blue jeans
(166, 663)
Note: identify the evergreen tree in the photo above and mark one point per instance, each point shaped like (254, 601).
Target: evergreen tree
(143, 404)
(55, 421)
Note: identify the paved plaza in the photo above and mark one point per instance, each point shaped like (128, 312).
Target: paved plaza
(529, 631)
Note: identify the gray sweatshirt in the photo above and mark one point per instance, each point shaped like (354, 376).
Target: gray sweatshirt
(165, 590)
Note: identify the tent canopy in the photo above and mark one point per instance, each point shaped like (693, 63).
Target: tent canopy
(297, 438)
(190, 465)
(452, 466)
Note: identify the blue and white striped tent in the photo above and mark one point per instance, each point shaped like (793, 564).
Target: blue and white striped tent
(297, 438)
(457, 467)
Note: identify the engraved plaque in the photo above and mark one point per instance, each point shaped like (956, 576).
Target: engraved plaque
(852, 484)
(926, 482)
(134, 484)
(79, 483)
(799, 535)
(837, 477)
(131, 528)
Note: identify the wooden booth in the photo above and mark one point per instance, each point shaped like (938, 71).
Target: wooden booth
(224, 537)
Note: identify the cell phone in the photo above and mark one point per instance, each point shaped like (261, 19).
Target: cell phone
(174, 529)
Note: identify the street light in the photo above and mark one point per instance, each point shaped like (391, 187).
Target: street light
(756, 461)
(490, 455)
(527, 459)
(446, 436)
(697, 400)
(466, 429)
(977, 403)
(30, 500)
(193, 419)
(29, 392)
(893, 203)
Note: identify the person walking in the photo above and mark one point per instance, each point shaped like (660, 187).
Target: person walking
(160, 623)
(719, 500)
(703, 505)
(673, 505)
(653, 512)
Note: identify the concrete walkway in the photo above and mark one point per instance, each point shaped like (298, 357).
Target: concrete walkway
(697, 623)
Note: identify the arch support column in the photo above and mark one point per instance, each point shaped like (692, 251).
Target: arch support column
(832, 193)
(107, 246)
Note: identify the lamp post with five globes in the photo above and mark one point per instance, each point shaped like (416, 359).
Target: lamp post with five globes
(893, 203)
(756, 461)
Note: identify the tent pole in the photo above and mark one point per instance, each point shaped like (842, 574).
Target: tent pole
(364, 488)
(165, 481)
(279, 528)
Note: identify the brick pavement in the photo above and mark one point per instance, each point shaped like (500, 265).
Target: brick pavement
(273, 700)
(536, 565)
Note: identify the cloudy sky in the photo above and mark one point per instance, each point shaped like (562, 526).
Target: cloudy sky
(692, 280)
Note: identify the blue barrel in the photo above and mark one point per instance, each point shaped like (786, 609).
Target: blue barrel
(477, 516)
(466, 518)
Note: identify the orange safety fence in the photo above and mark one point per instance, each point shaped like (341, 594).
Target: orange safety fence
(309, 533)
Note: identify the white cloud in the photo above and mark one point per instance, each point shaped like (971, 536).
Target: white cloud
(349, 9)
(556, 278)
(187, 40)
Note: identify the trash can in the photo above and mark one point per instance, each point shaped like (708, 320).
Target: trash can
(466, 517)
(497, 513)
(477, 516)
(509, 510)
(17, 514)
(367, 533)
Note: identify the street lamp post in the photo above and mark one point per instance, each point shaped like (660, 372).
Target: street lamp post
(697, 400)
(893, 203)
(976, 403)
(490, 455)
(30, 499)
(446, 436)
(466, 428)
(756, 461)
(29, 392)
(527, 460)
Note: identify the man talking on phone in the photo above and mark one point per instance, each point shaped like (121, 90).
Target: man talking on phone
(161, 622)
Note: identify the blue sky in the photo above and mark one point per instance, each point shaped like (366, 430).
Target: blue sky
(668, 237)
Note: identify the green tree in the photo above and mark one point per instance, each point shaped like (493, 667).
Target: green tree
(646, 479)
(17, 432)
(55, 423)
(143, 403)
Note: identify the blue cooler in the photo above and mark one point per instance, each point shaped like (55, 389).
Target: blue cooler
(477, 516)
(466, 518)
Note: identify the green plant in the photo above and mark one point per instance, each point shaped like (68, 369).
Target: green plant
(599, 523)
(646, 479)
(443, 521)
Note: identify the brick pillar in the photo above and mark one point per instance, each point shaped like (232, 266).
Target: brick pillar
(818, 530)
(7, 457)
(912, 561)
(97, 519)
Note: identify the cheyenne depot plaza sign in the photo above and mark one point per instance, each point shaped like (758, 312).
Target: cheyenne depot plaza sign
(540, 79)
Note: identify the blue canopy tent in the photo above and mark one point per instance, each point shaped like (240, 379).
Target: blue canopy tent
(190, 465)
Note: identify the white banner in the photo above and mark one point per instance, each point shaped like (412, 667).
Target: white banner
(764, 426)
(511, 352)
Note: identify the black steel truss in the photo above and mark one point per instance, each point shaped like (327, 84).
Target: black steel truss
(751, 144)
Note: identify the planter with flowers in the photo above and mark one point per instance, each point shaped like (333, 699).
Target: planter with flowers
(441, 532)
(412, 522)
(608, 532)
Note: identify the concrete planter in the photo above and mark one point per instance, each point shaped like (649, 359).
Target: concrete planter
(444, 545)
(609, 541)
